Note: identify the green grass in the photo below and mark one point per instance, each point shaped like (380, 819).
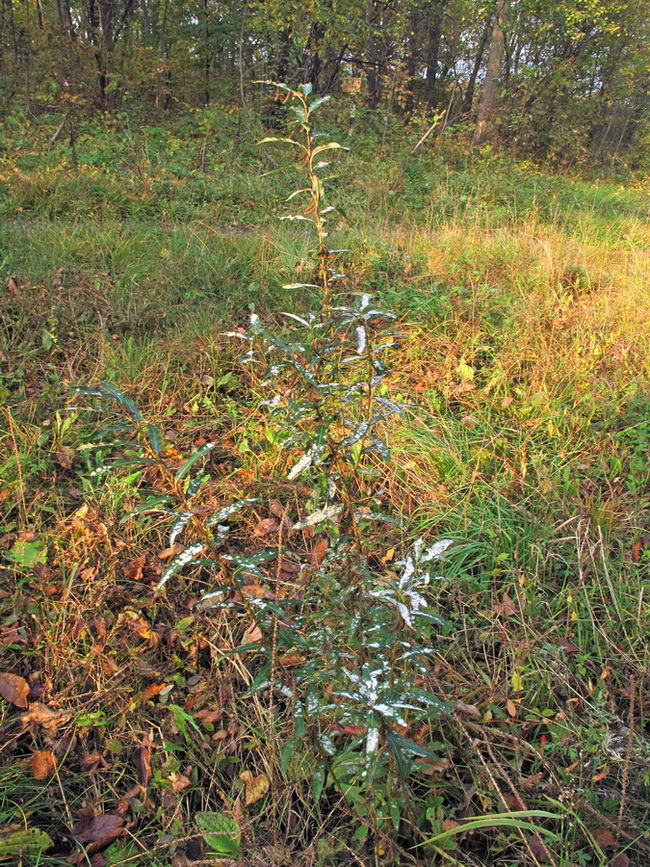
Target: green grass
(523, 300)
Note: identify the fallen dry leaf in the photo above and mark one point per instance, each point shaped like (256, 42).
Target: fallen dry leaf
(43, 764)
(10, 635)
(168, 553)
(254, 787)
(256, 591)
(142, 762)
(208, 716)
(179, 782)
(538, 848)
(604, 838)
(318, 552)
(289, 659)
(64, 457)
(133, 570)
(506, 608)
(266, 526)
(621, 860)
(450, 824)
(97, 829)
(91, 761)
(151, 691)
(469, 710)
(429, 767)
(27, 536)
(511, 707)
(252, 634)
(14, 689)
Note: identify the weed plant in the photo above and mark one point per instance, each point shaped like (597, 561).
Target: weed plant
(263, 659)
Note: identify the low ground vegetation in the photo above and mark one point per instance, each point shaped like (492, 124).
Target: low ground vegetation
(139, 726)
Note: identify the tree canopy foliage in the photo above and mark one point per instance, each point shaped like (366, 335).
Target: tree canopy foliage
(571, 76)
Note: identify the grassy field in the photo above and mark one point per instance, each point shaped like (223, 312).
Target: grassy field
(522, 301)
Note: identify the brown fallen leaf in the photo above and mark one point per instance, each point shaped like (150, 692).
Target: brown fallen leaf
(97, 829)
(254, 787)
(621, 860)
(133, 570)
(142, 762)
(151, 691)
(511, 707)
(429, 766)
(14, 689)
(266, 526)
(539, 848)
(208, 716)
(567, 647)
(179, 782)
(289, 659)
(91, 761)
(43, 764)
(469, 710)
(506, 608)
(64, 457)
(27, 536)
(10, 635)
(170, 552)
(604, 838)
(256, 591)
(318, 552)
(252, 634)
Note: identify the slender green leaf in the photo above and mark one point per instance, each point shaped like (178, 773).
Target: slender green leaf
(185, 467)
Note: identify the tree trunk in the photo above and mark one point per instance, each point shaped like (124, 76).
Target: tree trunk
(468, 96)
(433, 47)
(372, 75)
(495, 57)
(413, 26)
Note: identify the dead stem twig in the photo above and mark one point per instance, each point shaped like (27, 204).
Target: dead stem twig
(474, 742)
(21, 489)
(628, 755)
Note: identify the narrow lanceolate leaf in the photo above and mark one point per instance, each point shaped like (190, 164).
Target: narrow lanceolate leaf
(186, 465)
(154, 435)
(229, 510)
(318, 102)
(297, 193)
(121, 400)
(254, 560)
(278, 138)
(389, 404)
(359, 432)
(178, 526)
(361, 339)
(436, 550)
(179, 562)
(330, 146)
(299, 286)
(153, 504)
(313, 454)
(293, 315)
(89, 392)
(326, 514)
(380, 446)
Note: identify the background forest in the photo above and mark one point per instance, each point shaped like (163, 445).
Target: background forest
(574, 80)
(324, 432)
